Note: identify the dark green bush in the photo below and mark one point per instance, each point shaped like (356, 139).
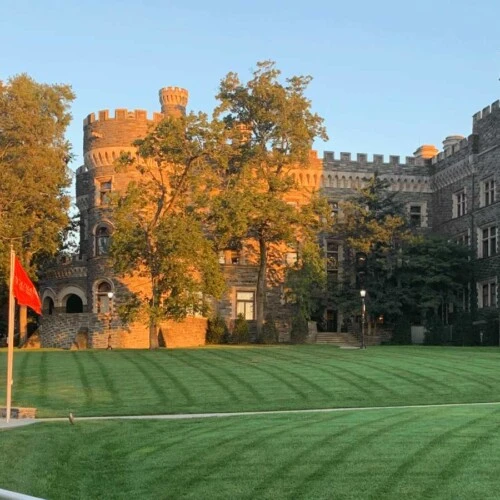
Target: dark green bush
(270, 333)
(241, 333)
(401, 334)
(217, 331)
(299, 332)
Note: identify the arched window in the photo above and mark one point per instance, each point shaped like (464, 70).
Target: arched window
(102, 240)
(104, 297)
(74, 304)
(48, 306)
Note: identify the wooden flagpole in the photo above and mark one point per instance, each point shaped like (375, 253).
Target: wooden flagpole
(10, 339)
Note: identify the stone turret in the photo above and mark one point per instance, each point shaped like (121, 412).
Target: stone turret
(173, 101)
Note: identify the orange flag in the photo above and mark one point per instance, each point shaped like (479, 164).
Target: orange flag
(24, 290)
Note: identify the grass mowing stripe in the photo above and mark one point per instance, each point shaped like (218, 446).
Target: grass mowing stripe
(43, 378)
(415, 458)
(109, 383)
(305, 380)
(295, 460)
(455, 465)
(176, 382)
(150, 379)
(209, 374)
(235, 376)
(84, 381)
(464, 371)
(323, 470)
(351, 381)
(208, 467)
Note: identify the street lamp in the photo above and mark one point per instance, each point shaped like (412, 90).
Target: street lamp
(362, 293)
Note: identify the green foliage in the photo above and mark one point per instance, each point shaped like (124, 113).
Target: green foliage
(34, 176)
(217, 331)
(160, 231)
(299, 331)
(306, 282)
(433, 272)
(272, 130)
(401, 334)
(241, 332)
(270, 334)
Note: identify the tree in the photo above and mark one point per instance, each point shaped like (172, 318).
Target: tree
(373, 224)
(34, 176)
(272, 129)
(159, 222)
(434, 273)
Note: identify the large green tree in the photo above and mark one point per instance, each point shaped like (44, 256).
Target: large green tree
(272, 129)
(34, 177)
(160, 236)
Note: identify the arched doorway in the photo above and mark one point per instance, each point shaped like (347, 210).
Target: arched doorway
(48, 305)
(74, 304)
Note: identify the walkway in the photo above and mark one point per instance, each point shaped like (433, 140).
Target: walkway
(183, 416)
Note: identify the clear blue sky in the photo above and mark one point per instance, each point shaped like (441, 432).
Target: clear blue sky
(388, 75)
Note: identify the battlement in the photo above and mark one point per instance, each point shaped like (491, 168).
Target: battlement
(121, 114)
(174, 95)
(362, 159)
(463, 144)
(488, 110)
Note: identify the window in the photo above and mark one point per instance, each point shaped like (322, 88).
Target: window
(487, 192)
(104, 191)
(415, 215)
(103, 297)
(102, 240)
(463, 239)
(245, 304)
(488, 243)
(334, 209)
(235, 257)
(459, 204)
(487, 293)
(332, 259)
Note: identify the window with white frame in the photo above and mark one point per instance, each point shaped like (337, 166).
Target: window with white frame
(487, 192)
(459, 203)
(291, 258)
(487, 241)
(487, 293)
(245, 304)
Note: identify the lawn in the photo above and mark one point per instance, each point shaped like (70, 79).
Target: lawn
(441, 453)
(228, 379)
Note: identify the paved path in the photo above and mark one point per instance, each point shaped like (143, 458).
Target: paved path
(182, 416)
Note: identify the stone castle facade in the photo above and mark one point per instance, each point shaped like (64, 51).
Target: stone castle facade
(452, 192)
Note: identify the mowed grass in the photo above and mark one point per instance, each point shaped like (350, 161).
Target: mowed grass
(439, 453)
(229, 379)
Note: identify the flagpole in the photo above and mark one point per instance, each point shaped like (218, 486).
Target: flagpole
(10, 347)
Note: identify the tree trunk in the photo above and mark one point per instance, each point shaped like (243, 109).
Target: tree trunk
(153, 336)
(261, 288)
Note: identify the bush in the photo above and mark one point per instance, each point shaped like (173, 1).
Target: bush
(299, 332)
(270, 333)
(241, 333)
(217, 331)
(401, 334)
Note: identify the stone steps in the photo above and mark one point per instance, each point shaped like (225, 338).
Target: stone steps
(347, 339)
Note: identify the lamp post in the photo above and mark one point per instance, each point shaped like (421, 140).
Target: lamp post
(362, 293)
(110, 318)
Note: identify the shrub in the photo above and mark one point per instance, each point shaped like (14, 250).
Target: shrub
(217, 331)
(241, 333)
(401, 334)
(270, 333)
(299, 332)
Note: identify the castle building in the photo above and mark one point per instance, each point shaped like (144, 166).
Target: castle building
(452, 192)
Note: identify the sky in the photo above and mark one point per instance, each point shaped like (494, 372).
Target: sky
(388, 76)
